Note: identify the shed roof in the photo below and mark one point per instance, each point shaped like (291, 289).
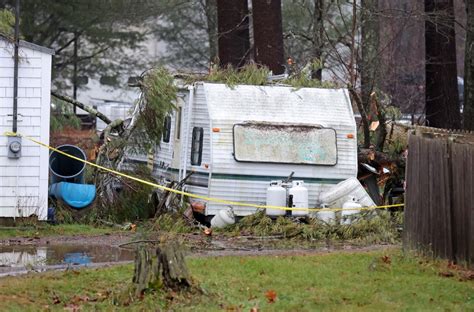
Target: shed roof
(30, 45)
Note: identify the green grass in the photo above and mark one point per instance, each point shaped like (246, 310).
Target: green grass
(336, 281)
(41, 230)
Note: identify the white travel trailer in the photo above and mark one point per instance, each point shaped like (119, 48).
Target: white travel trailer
(238, 139)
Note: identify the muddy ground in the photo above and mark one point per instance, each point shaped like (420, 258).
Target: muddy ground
(113, 239)
(197, 244)
(21, 255)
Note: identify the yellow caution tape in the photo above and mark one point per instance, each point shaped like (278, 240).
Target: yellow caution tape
(205, 198)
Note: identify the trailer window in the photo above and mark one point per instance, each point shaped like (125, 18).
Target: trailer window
(196, 146)
(167, 129)
(178, 122)
(285, 143)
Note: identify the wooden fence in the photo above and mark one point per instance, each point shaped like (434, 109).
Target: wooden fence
(439, 212)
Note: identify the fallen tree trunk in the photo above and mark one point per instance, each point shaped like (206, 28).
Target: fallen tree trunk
(82, 106)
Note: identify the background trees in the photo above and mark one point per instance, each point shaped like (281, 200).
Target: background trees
(442, 99)
(91, 38)
(368, 45)
(469, 69)
(234, 36)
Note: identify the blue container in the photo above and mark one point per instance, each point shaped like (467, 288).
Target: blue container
(75, 195)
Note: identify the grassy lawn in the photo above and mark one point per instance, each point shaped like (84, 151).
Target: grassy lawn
(377, 280)
(53, 230)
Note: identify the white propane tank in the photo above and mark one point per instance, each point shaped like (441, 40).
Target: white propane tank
(223, 218)
(300, 198)
(326, 216)
(352, 206)
(337, 195)
(276, 196)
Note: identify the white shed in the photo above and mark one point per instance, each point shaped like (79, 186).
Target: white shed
(237, 140)
(24, 180)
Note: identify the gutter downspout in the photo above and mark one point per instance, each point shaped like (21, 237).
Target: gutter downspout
(15, 68)
(188, 126)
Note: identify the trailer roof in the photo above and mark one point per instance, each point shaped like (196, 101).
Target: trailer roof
(326, 107)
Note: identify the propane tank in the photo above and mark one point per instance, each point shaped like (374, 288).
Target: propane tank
(276, 196)
(327, 216)
(352, 206)
(223, 218)
(299, 195)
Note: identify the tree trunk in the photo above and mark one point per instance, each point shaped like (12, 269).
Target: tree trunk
(211, 17)
(268, 35)
(82, 106)
(233, 28)
(469, 69)
(318, 39)
(363, 115)
(442, 98)
(168, 269)
(370, 44)
(143, 273)
(172, 267)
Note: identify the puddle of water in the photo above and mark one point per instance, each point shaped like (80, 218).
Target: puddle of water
(33, 256)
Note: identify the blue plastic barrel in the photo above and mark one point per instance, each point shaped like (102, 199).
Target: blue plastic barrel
(74, 195)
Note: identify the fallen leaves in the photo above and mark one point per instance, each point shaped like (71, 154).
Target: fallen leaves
(75, 302)
(271, 296)
(446, 274)
(56, 300)
(455, 270)
(380, 264)
(72, 307)
(386, 259)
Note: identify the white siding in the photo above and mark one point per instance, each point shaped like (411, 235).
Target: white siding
(199, 118)
(24, 181)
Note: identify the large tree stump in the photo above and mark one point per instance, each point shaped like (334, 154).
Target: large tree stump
(164, 268)
(171, 266)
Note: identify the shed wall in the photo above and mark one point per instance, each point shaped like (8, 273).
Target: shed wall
(24, 181)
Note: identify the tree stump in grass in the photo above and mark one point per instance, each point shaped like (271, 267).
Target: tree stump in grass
(164, 268)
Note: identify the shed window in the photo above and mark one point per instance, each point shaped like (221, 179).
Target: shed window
(196, 146)
(167, 129)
